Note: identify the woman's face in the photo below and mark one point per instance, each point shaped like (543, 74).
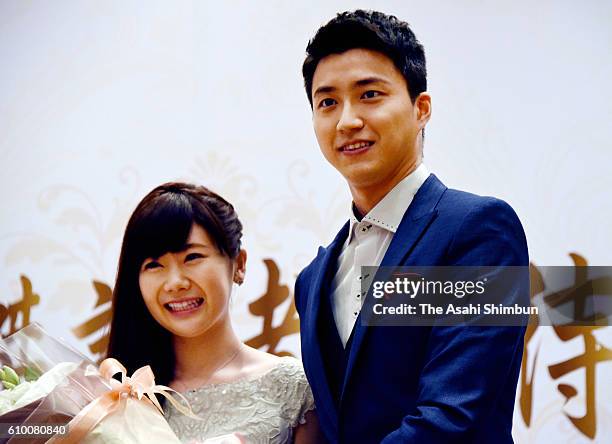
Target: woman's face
(188, 292)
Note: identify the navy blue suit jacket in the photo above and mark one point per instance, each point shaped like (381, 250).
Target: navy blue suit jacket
(422, 384)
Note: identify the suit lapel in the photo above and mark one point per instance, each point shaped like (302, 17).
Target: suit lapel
(412, 227)
(416, 219)
(318, 290)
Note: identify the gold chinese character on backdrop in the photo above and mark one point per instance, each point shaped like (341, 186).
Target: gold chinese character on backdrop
(98, 322)
(24, 306)
(594, 352)
(582, 291)
(526, 397)
(265, 307)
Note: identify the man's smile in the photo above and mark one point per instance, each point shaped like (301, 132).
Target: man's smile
(355, 147)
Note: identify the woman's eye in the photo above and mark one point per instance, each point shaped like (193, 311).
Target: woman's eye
(370, 94)
(151, 265)
(326, 103)
(193, 256)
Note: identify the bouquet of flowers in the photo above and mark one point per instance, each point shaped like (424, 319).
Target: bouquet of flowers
(52, 393)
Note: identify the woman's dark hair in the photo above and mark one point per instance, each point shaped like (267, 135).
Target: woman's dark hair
(369, 30)
(160, 224)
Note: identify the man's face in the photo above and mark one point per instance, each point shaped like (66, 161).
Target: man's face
(364, 120)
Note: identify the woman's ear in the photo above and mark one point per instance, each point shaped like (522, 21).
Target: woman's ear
(240, 267)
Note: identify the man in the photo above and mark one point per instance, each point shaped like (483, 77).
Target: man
(365, 78)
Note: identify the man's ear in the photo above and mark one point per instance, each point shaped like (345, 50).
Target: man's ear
(240, 267)
(422, 105)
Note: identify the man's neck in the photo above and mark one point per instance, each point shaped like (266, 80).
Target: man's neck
(366, 198)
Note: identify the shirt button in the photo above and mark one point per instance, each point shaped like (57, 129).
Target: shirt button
(355, 313)
(358, 296)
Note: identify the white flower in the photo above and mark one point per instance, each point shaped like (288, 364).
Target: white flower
(27, 392)
(8, 398)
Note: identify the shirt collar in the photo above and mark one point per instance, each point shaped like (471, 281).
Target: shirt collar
(388, 213)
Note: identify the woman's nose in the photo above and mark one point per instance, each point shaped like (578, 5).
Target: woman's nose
(176, 280)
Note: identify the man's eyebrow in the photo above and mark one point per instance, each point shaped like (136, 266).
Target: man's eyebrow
(361, 82)
(370, 80)
(323, 90)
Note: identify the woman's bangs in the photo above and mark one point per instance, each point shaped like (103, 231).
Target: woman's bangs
(165, 228)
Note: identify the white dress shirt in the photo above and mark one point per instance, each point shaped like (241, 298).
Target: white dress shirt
(367, 244)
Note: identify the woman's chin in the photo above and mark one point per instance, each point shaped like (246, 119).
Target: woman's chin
(187, 327)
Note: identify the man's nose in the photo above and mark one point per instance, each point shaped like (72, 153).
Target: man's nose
(349, 119)
(176, 280)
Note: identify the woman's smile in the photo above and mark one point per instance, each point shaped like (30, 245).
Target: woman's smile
(184, 307)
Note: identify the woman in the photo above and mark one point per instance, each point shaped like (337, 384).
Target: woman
(180, 257)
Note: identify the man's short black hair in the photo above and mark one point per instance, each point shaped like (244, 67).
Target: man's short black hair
(369, 30)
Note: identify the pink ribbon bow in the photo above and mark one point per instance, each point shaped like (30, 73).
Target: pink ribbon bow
(141, 383)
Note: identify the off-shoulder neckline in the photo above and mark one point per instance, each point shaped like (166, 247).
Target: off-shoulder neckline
(246, 379)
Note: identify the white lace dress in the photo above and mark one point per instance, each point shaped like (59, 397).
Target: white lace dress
(264, 409)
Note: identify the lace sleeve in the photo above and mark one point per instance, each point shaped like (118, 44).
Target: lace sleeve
(300, 400)
(307, 403)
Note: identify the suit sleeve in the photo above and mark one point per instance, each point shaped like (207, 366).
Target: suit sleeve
(296, 293)
(469, 370)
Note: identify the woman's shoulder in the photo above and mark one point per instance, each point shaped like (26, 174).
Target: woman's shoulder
(288, 367)
(286, 382)
(262, 363)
